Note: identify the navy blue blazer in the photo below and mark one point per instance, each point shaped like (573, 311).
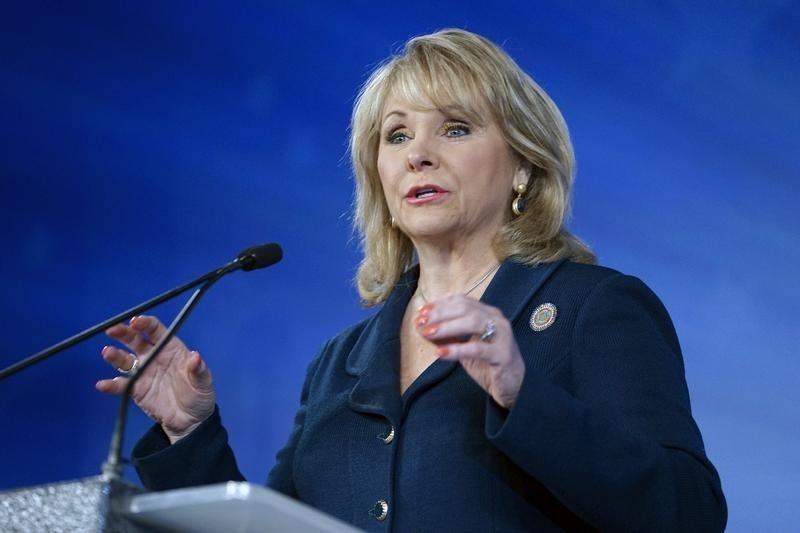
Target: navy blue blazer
(601, 435)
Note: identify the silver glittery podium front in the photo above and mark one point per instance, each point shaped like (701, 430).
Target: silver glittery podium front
(86, 505)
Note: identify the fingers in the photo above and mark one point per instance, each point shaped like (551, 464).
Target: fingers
(150, 328)
(454, 320)
(111, 386)
(450, 307)
(199, 372)
(458, 327)
(480, 338)
(139, 335)
(119, 359)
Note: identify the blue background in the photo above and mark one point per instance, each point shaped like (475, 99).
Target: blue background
(143, 144)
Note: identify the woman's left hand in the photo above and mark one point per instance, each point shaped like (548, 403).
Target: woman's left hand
(480, 338)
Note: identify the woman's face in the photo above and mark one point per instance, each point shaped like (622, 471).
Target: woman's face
(445, 178)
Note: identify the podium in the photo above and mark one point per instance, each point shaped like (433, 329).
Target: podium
(232, 506)
(93, 505)
(97, 505)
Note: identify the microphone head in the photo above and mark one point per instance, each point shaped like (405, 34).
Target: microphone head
(260, 256)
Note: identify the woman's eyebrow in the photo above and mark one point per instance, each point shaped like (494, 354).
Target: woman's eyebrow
(399, 113)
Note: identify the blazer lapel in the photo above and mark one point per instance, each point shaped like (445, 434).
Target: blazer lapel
(510, 290)
(375, 358)
(515, 284)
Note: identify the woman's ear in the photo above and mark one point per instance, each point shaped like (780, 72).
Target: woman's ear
(522, 175)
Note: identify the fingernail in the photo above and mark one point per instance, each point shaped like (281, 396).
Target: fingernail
(421, 320)
(442, 351)
(425, 309)
(430, 330)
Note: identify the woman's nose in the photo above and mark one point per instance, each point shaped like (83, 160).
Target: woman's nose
(421, 157)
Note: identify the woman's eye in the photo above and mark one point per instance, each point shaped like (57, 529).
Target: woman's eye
(456, 130)
(397, 137)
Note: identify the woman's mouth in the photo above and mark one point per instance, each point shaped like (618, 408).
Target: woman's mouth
(426, 193)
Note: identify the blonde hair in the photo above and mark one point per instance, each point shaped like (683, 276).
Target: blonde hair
(458, 68)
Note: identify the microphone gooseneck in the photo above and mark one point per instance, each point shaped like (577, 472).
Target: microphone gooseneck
(251, 258)
(112, 467)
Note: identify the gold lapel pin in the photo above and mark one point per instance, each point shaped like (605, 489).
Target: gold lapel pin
(543, 317)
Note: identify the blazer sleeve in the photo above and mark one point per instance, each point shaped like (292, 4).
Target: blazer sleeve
(204, 456)
(618, 446)
(200, 458)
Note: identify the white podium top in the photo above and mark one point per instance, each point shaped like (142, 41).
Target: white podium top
(233, 506)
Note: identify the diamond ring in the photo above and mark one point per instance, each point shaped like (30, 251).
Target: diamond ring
(488, 331)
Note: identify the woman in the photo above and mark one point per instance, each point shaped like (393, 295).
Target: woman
(507, 384)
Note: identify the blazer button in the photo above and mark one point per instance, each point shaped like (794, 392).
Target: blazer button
(387, 438)
(380, 511)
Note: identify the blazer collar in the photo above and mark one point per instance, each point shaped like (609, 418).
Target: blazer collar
(509, 291)
(384, 326)
(375, 357)
(514, 284)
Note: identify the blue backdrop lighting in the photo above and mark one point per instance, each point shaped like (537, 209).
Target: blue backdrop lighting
(143, 144)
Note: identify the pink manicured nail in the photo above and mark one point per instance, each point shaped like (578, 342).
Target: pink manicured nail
(442, 351)
(430, 330)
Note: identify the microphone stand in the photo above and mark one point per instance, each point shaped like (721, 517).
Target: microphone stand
(112, 468)
(125, 315)
(108, 494)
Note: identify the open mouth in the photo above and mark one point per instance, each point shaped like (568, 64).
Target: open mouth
(423, 192)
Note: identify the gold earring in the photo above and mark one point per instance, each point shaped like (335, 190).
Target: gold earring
(392, 222)
(518, 203)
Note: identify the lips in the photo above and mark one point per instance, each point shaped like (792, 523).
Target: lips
(425, 193)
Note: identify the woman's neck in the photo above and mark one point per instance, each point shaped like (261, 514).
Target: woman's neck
(445, 272)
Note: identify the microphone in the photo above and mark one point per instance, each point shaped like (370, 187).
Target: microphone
(249, 259)
(252, 258)
(260, 256)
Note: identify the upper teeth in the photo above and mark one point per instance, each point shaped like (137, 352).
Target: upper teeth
(425, 192)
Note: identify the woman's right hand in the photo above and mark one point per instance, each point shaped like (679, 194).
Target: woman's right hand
(176, 391)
